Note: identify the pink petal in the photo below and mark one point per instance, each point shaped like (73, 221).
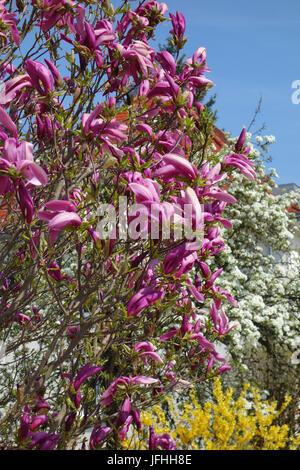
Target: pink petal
(169, 334)
(140, 379)
(64, 219)
(35, 174)
(8, 123)
(181, 164)
(152, 354)
(60, 205)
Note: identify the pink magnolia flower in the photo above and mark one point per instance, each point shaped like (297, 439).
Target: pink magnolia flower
(38, 421)
(241, 140)
(107, 397)
(85, 372)
(13, 88)
(8, 123)
(19, 156)
(220, 195)
(25, 423)
(104, 32)
(220, 321)
(22, 319)
(124, 413)
(55, 72)
(195, 290)
(169, 334)
(126, 417)
(147, 349)
(186, 328)
(213, 211)
(213, 277)
(25, 202)
(5, 68)
(198, 60)
(93, 38)
(189, 209)
(54, 271)
(151, 6)
(45, 125)
(212, 175)
(199, 106)
(57, 12)
(174, 165)
(207, 350)
(146, 128)
(136, 21)
(108, 132)
(144, 88)
(223, 368)
(9, 19)
(151, 271)
(144, 298)
(60, 214)
(203, 341)
(167, 61)
(73, 331)
(146, 191)
(199, 81)
(125, 428)
(41, 440)
(138, 60)
(95, 237)
(39, 74)
(166, 88)
(161, 441)
(178, 23)
(147, 14)
(98, 435)
(243, 163)
(60, 221)
(180, 260)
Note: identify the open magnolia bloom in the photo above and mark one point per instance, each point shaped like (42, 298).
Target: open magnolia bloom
(59, 214)
(19, 156)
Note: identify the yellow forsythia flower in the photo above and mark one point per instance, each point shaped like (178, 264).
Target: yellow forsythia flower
(223, 424)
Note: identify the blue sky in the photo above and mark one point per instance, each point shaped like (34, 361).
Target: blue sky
(252, 50)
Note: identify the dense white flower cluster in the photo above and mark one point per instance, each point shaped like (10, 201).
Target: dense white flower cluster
(261, 267)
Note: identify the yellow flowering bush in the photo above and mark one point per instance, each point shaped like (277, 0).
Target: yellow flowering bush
(222, 424)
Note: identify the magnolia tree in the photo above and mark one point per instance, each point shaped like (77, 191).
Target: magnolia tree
(261, 264)
(112, 205)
